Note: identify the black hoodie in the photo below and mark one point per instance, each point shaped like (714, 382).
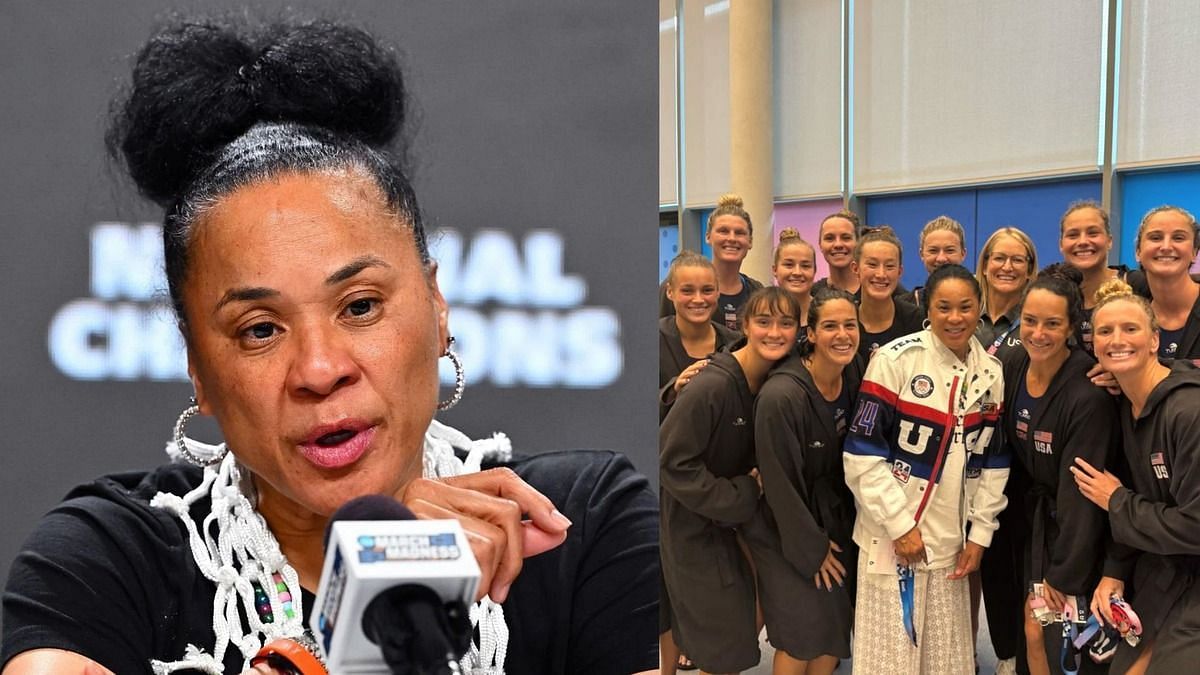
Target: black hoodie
(1074, 418)
(1157, 512)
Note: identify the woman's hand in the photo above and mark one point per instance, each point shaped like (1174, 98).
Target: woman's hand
(688, 373)
(968, 561)
(832, 571)
(490, 505)
(1098, 486)
(758, 478)
(910, 548)
(1106, 589)
(1054, 599)
(1102, 378)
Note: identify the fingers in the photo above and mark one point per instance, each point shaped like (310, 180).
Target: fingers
(489, 543)
(838, 567)
(535, 540)
(960, 567)
(505, 483)
(1053, 598)
(833, 545)
(688, 373)
(1095, 606)
(1100, 600)
(837, 573)
(1105, 609)
(1083, 464)
(498, 511)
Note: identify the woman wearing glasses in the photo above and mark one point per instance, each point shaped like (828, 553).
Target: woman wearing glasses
(1007, 265)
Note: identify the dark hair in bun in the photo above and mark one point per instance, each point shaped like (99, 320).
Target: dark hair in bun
(1063, 280)
(212, 108)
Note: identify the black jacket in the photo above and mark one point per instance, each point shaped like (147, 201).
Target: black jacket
(800, 458)
(1074, 418)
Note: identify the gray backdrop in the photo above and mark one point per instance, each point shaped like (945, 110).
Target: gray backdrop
(536, 152)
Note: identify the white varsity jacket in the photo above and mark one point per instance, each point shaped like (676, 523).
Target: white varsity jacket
(892, 453)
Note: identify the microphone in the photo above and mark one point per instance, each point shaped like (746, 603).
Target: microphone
(394, 591)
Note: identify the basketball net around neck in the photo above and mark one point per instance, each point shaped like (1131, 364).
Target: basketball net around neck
(234, 548)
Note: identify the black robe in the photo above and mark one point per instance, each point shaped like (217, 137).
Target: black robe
(1157, 515)
(806, 505)
(1074, 418)
(706, 452)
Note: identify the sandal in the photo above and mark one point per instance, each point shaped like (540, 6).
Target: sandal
(684, 663)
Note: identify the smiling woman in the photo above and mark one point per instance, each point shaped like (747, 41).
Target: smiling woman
(297, 263)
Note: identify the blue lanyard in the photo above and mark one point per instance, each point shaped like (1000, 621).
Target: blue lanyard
(906, 600)
(1000, 340)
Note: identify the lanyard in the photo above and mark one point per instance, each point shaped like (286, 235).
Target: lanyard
(906, 600)
(1000, 340)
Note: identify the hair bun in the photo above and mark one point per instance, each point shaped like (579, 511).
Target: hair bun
(1113, 288)
(731, 199)
(788, 233)
(199, 85)
(1064, 271)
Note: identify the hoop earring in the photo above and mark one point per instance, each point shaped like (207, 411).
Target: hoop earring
(459, 379)
(181, 439)
(925, 324)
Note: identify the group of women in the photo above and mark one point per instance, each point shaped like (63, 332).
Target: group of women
(860, 452)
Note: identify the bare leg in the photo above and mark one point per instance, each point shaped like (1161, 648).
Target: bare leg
(1035, 648)
(822, 665)
(759, 622)
(668, 653)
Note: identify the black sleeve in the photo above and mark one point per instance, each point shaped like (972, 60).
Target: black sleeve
(1158, 527)
(85, 582)
(683, 439)
(780, 436)
(1090, 426)
(589, 606)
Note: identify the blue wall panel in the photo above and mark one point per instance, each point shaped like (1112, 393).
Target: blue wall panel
(1034, 209)
(1143, 191)
(907, 214)
(705, 249)
(668, 248)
